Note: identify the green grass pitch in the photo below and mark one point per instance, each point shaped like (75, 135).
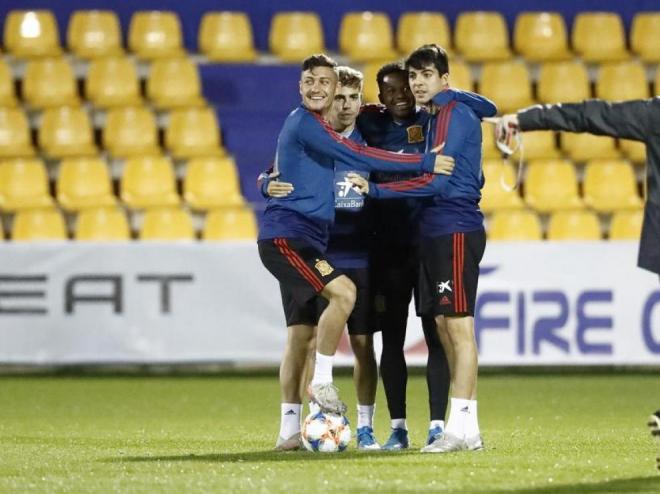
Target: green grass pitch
(557, 433)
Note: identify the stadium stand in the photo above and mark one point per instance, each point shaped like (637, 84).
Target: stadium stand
(574, 225)
(83, 183)
(420, 28)
(551, 185)
(211, 182)
(645, 36)
(15, 140)
(541, 144)
(563, 81)
(622, 81)
(585, 147)
(38, 225)
(130, 131)
(31, 33)
(599, 37)
(494, 195)
(295, 35)
(155, 34)
(508, 84)
(599, 175)
(49, 82)
(518, 225)
(230, 224)
(482, 36)
(112, 81)
(541, 36)
(193, 132)
(65, 132)
(626, 225)
(167, 223)
(102, 225)
(226, 37)
(367, 36)
(174, 83)
(23, 185)
(94, 34)
(147, 182)
(7, 89)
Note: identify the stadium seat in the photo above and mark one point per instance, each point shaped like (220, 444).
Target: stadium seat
(49, 82)
(539, 144)
(585, 147)
(66, 132)
(31, 34)
(507, 84)
(226, 37)
(7, 89)
(482, 36)
(370, 87)
(193, 132)
(171, 223)
(563, 81)
(574, 225)
(38, 225)
(489, 149)
(15, 140)
(112, 82)
(211, 183)
(610, 185)
(230, 224)
(155, 34)
(622, 81)
(599, 37)
(94, 34)
(366, 36)
(551, 185)
(84, 183)
(24, 184)
(295, 35)
(2, 231)
(102, 225)
(626, 225)
(420, 28)
(148, 182)
(174, 83)
(635, 151)
(514, 225)
(494, 196)
(645, 36)
(130, 131)
(541, 36)
(460, 76)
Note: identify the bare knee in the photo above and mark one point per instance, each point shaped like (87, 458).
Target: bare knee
(363, 347)
(341, 292)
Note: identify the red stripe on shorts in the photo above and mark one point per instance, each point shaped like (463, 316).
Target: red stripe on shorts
(296, 261)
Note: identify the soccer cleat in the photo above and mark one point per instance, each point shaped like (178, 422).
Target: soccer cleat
(292, 444)
(447, 443)
(474, 443)
(398, 440)
(366, 439)
(434, 434)
(326, 396)
(654, 425)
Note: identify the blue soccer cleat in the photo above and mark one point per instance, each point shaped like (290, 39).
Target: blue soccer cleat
(398, 440)
(366, 439)
(434, 434)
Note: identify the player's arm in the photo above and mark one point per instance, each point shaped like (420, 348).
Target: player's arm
(480, 105)
(269, 186)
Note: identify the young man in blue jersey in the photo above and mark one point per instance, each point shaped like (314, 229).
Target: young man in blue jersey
(452, 238)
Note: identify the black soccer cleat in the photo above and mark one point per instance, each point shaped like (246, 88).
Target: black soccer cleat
(654, 424)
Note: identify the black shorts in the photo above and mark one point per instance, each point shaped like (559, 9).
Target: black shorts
(449, 272)
(649, 252)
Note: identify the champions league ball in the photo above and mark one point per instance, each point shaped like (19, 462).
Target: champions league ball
(326, 432)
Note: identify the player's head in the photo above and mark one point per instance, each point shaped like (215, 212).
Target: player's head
(348, 99)
(394, 91)
(428, 72)
(318, 80)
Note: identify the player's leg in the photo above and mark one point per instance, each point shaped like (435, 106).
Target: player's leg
(654, 425)
(437, 379)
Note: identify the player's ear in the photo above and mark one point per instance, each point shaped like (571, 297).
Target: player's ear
(445, 79)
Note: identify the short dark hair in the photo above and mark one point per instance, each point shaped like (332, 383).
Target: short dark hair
(349, 77)
(426, 55)
(318, 60)
(390, 68)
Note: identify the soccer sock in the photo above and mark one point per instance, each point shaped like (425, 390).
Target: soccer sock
(290, 419)
(399, 424)
(365, 415)
(458, 414)
(322, 369)
(437, 423)
(472, 421)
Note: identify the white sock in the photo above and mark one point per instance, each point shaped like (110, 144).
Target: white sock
(458, 414)
(437, 423)
(399, 424)
(365, 415)
(290, 419)
(323, 369)
(314, 407)
(472, 422)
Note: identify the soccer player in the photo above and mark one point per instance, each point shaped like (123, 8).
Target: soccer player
(452, 238)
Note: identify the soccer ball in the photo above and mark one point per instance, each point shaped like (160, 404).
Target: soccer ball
(326, 432)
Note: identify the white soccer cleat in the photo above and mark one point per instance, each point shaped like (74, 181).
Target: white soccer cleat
(326, 396)
(446, 443)
(291, 444)
(474, 443)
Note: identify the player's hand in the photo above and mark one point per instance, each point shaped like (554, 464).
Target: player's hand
(360, 184)
(276, 188)
(444, 165)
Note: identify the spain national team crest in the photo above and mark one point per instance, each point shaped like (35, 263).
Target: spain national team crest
(323, 267)
(415, 134)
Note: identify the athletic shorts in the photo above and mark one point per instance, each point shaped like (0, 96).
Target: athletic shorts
(649, 244)
(449, 272)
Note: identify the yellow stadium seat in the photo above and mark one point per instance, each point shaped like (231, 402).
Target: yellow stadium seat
(635, 151)
(31, 33)
(174, 83)
(514, 225)
(38, 224)
(551, 185)
(130, 131)
(494, 196)
(94, 34)
(102, 224)
(226, 37)
(610, 185)
(460, 76)
(84, 183)
(507, 84)
(15, 140)
(622, 81)
(541, 36)
(488, 146)
(155, 34)
(2, 232)
(193, 132)
(23, 185)
(49, 82)
(296, 35)
(599, 37)
(171, 223)
(540, 144)
(482, 36)
(211, 183)
(148, 182)
(370, 88)
(574, 225)
(626, 225)
(585, 147)
(230, 224)
(7, 88)
(645, 36)
(66, 132)
(112, 81)
(366, 36)
(563, 82)
(421, 28)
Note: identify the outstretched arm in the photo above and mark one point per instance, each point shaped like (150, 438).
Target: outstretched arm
(480, 105)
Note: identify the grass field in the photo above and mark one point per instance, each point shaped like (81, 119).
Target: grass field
(557, 433)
